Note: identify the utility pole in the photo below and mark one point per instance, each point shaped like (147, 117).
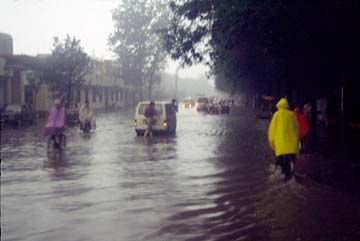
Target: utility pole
(176, 82)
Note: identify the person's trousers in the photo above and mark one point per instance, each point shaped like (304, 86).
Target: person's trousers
(284, 161)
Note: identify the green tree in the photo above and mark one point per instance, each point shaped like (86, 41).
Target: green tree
(137, 41)
(272, 46)
(67, 66)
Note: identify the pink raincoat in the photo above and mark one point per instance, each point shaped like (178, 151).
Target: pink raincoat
(56, 121)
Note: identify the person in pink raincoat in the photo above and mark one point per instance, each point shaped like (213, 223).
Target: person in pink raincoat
(55, 124)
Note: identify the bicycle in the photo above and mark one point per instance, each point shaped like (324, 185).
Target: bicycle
(56, 142)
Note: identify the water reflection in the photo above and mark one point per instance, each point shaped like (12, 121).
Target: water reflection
(58, 163)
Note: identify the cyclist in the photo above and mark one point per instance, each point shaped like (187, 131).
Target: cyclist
(86, 116)
(55, 124)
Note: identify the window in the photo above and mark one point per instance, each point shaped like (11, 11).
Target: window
(94, 95)
(117, 96)
(158, 109)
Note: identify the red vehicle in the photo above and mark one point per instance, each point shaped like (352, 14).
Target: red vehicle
(214, 108)
(224, 107)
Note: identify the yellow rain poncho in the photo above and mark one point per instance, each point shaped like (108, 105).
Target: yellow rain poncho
(284, 130)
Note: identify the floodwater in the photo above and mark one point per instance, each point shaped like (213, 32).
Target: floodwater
(213, 181)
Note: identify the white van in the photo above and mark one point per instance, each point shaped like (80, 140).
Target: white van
(201, 104)
(165, 119)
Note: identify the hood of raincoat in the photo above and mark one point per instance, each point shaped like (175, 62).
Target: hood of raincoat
(282, 104)
(297, 110)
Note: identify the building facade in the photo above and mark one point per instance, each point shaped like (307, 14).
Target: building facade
(103, 87)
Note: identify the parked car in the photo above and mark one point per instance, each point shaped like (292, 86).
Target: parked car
(19, 114)
(165, 119)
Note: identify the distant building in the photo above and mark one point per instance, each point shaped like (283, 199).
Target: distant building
(103, 87)
(6, 44)
(14, 88)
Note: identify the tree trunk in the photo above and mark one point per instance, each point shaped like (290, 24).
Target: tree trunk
(150, 90)
(69, 93)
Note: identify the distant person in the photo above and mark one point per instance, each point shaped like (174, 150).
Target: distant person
(175, 106)
(150, 113)
(207, 106)
(75, 108)
(304, 127)
(284, 135)
(333, 116)
(307, 110)
(86, 115)
(333, 110)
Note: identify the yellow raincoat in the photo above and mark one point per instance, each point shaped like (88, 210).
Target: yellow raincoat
(284, 131)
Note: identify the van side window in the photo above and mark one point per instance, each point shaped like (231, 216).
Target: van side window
(158, 109)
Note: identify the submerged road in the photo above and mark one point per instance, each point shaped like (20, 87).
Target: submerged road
(214, 180)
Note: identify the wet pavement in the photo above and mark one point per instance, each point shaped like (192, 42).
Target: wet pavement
(213, 181)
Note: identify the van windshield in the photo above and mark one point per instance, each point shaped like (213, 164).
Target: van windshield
(142, 108)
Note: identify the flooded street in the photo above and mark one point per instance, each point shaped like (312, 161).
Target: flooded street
(213, 181)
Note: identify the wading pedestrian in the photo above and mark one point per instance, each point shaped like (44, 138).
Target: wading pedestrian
(284, 135)
(150, 114)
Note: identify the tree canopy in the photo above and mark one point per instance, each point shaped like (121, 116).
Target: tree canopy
(273, 46)
(137, 40)
(67, 66)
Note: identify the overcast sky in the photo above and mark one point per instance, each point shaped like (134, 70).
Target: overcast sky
(34, 23)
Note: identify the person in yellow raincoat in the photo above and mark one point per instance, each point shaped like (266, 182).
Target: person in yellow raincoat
(284, 136)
